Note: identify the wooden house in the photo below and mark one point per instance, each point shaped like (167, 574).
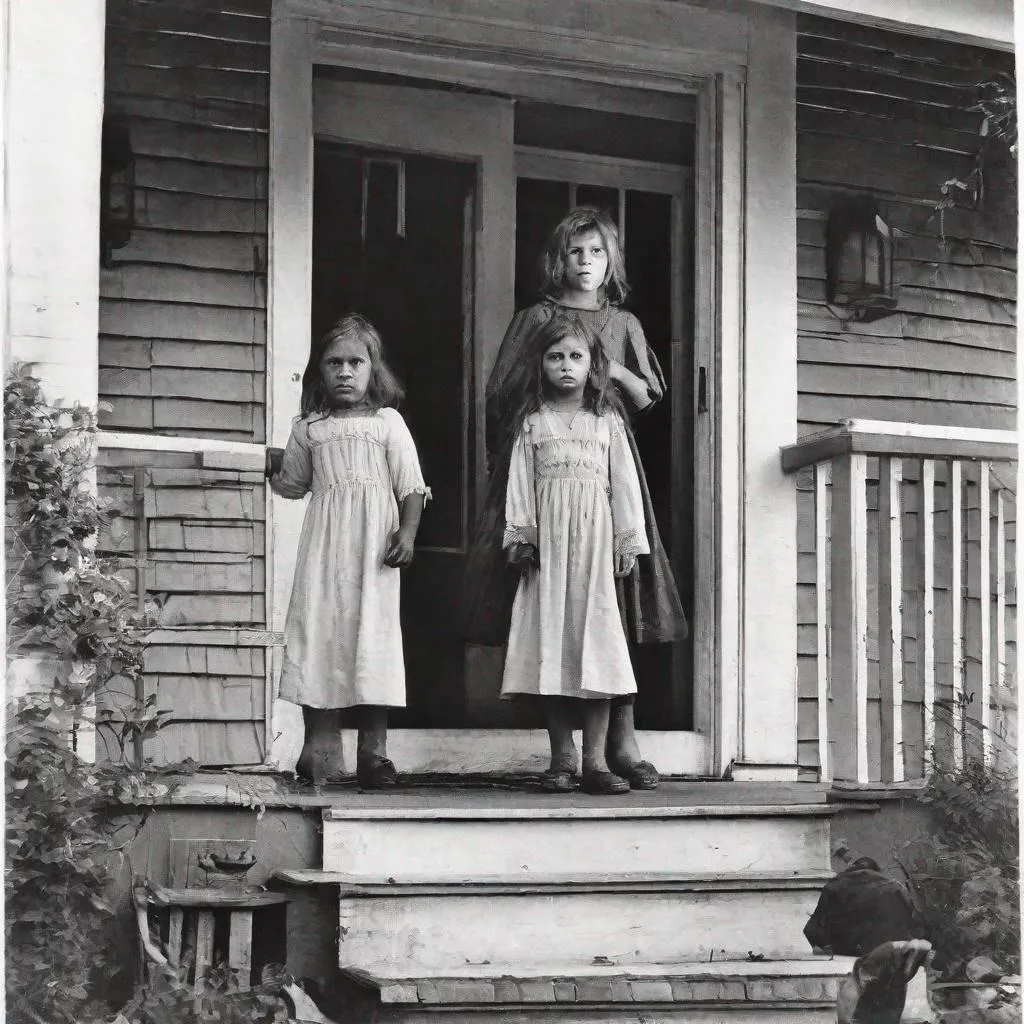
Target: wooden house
(836, 481)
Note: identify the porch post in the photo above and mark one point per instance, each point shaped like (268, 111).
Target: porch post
(768, 697)
(53, 66)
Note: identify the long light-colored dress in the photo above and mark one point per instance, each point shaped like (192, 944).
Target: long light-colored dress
(343, 637)
(573, 492)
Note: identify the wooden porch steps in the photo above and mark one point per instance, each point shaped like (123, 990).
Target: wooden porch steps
(516, 906)
(802, 991)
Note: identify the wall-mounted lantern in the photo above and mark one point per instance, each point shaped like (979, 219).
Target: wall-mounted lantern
(117, 189)
(859, 262)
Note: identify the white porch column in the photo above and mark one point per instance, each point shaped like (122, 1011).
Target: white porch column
(768, 697)
(54, 89)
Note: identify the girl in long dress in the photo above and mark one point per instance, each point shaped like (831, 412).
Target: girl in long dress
(574, 519)
(584, 272)
(352, 451)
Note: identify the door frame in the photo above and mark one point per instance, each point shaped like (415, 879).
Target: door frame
(630, 47)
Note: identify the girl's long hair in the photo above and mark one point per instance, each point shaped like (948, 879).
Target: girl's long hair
(575, 223)
(383, 390)
(527, 390)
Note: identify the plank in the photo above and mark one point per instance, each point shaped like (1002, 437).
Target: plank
(946, 251)
(992, 282)
(240, 946)
(180, 211)
(214, 355)
(205, 502)
(978, 621)
(845, 53)
(125, 353)
(210, 23)
(179, 284)
(126, 413)
(204, 948)
(903, 384)
(956, 620)
(183, 51)
(923, 48)
(223, 251)
(202, 609)
(822, 547)
(999, 630)
(175, 175)
(179, 320)
(197, 111)
(860, 79)
(252, 8)
(209, 698)
(217, 146)
(815, 408)
(178, 578)
(182, 535)
(909, 354)
(926, 607)
(890, 617)
(848, 709)
(202, 415)
(210, 744)
(124, 381)
(931, 302)
(192, 658)
(220, 385)
(249, 86)
(841, 98)
(974, 335)
(886, 169)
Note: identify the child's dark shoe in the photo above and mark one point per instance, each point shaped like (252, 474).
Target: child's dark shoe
(376, 773)
(639, 775)
(604, 783)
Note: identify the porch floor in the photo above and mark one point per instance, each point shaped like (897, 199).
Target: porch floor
(473, 792)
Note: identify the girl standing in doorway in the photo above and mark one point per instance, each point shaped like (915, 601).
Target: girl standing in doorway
(583, 271)
(573, 519)
(352, 450)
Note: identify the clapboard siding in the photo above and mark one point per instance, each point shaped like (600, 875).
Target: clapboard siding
(203, 546)
(889, 115)
(191, 82)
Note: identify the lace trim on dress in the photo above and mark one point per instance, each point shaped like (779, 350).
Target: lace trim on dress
(519, 535)
(416, 489)
(629, 542)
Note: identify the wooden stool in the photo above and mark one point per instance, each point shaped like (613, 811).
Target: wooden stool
(190, 922)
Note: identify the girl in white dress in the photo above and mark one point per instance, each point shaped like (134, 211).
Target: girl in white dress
(574, 519)
(353, 452)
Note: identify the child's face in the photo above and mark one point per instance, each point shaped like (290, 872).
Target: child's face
(566, 366)
(586, 262)
(345, 367)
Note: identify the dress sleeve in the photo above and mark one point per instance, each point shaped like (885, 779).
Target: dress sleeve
(642, 361)
(520, 497)
(296, 474)
(403, 462)
(626, 496)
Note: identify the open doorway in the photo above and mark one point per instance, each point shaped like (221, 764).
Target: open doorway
(396, 237)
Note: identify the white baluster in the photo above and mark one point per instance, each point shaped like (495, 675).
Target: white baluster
(890, 615)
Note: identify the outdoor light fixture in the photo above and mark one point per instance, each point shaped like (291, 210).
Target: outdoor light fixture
(117, 189)
(859, 262)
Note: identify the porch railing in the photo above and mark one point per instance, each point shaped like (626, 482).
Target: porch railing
(914, 597)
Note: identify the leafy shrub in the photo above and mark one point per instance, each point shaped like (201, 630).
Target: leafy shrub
(965, 872)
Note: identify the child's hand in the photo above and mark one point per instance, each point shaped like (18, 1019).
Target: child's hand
(522, 556)
(615, 369)
(401, 547)
(275, 458)
(624, 564)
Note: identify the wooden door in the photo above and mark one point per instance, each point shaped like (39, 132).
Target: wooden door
(407, 213)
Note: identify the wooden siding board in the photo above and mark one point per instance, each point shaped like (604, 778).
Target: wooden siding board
(185, 51)
(202, 143)
(181, 211)
(172, 175)
(209, 112)
(212, 84)
(829, 409)
(900, 384)
(206, 21)
(179, 320)
(219, 251)
(179, 284)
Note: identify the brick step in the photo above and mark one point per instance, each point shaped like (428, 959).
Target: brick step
(484, 837)
(800, 990)
(645, 917)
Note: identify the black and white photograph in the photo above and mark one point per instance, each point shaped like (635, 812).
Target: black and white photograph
(510, 511)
